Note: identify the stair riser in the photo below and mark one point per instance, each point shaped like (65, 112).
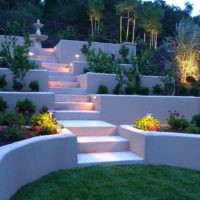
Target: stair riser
(50, 61)
(45, 53)
(53, 84)
(61, 74)
(60, 69)
(65, 106)
(97, 147)
(65, 98)
(93, 131)
(111, 163)
(55, 65)
(62, 78)
(77, 116)
(68, 91)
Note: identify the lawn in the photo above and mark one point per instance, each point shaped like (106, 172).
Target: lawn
(136, 182)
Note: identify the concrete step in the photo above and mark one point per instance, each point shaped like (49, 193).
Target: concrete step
(78, 91)
(61, 74)
(56, 67)
(109, 158)
(62, 84)
(62, 78)
(60, 69)
(72, 98)
(50, 60)
(74, 106)
(77, 115)
(45, 52)
(97, 144)
(89, 127)
(45, 57)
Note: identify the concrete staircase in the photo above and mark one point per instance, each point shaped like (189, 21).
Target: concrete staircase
(98, 141)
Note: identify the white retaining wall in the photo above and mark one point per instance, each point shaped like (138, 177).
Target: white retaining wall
(125, 109)
(162, 148)
(39, 99)
(35, 74)
(67, 49)
(26, 161)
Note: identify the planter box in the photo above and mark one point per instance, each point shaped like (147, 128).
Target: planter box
(164, 148)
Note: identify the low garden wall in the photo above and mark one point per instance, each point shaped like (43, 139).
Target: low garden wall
(162, 148)
(35, 74)
(25, 161)
(67, 49)
(92, 81)
(39, 99)
(123, 109)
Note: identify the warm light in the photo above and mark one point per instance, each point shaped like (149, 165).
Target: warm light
(94, 97)
(71, 64)
(31, 54)
(77, 56)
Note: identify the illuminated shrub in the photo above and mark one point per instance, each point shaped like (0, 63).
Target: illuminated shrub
(148, 123)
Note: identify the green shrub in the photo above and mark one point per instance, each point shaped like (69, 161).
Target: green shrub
(46, 122)
(68, 34)
(148, 123)
(17, 85)
(12, 119)
(3, 105)
(34, 86)
(196, 120)
(129, 90)
(44, 109)
(177, 122)
(157, 90)
(144, 91)
(103, 89)
(13, 133)
(25, 107)
(117, 89)
(124, 52)
(195, 91)
(3, 81)
(182, 91)
(192, 129)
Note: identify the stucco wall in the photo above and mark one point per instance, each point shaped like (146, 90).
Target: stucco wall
(37, 74)
(39, 99)
(92, 81)
(67, 49)
(125, 109)
(25, 161)
(175, 149)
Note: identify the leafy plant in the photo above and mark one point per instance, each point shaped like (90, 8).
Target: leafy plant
(177, 122)
(3, 105)
(196, 120)
(195, 91)
(47, 124)
(17, 85)
(182, 91)
(103, 89)
(124, 52)
(148, 123)
(12, 119)
(13, 133)
(157, 89)
(129, 90)
(34, 86)
(192, 129)
(44, 109)
(26, 107)
(69, 33)
(3, 81)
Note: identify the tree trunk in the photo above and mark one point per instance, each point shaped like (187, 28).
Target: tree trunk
(120, 29)
(144, 37)
(127, 30)
(156, 41)
(95, 26)
(133, 36)
(92, 28)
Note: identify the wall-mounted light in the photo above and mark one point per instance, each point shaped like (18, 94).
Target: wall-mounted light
(77, 56)
(94, 97)
(31, 54)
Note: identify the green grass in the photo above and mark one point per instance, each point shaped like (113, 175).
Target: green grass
(137, 182)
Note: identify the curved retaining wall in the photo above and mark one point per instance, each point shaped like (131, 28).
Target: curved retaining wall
(25, 161)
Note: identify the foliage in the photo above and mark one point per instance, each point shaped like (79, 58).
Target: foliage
(13, 133)
(68, 34)
(187, 52)
(182, 90)
(34, 86)
(124, 52)
(99, 61)
(44, 109)
(3, 81)
(157, 89)
(196, 120)
(148, 123)
(3, 105)
(103, 89)
(47, 124)
(195, 91)
(12, 119)
(177, 122)
(13, 28)
(192, 129)
(15, 57)
(26, 107)
(17, 85)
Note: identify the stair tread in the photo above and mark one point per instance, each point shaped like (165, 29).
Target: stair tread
(86, 139)
(77, 103)
(84, 123)
(109, 158)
